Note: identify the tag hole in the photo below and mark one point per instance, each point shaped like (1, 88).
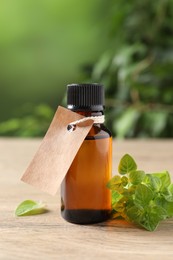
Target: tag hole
(71, 128)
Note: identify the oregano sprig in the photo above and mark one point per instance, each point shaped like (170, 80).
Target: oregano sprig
(142, 198)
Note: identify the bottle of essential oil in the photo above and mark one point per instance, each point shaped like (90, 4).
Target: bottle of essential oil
(84, 196)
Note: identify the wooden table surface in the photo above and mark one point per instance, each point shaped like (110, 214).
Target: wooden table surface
(48, 236)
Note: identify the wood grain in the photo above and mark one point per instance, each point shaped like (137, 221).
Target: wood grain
(48, 236)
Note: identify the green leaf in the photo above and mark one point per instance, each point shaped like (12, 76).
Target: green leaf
(127, 164)
(153, 182)
(102, 65)
(149, 219)
(115, 197)
(168, 193)
(130, 191)
(126, 122)
(120, 206)
(30, 207)
(135, 213)
(158, 212)
(124, 181)
(115, 184)
(136, 177)
(152, 217)
(167, 205)
(143, 195)
(164, 177)
(156, 122)
(170, 188)
(150, 223)
(114, 181)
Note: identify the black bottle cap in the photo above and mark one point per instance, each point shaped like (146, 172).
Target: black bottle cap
(85, 97)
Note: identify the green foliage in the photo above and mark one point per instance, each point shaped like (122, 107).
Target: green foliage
(30, 207)
(142, 198)
(137, 68)
(35, 124)
(127, 164)
(42, 44)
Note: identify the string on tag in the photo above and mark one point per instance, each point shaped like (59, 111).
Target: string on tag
(96, 120)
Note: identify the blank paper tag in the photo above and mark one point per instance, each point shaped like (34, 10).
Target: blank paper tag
(56, 152)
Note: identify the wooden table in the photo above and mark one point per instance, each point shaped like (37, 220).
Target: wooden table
(48, 236)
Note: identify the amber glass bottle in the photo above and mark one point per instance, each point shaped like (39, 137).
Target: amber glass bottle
(84, 196)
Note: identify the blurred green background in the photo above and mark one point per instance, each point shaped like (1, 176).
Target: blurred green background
(126, 45)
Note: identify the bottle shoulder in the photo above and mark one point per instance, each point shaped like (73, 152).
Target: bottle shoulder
(98, 131)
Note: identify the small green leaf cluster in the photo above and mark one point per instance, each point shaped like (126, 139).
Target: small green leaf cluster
(142, 198)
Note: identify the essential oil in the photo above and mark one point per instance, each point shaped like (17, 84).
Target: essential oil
(85, 199)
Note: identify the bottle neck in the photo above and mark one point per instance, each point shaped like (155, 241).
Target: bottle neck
(89, 113)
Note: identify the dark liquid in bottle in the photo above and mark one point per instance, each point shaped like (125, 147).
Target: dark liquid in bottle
(85, 197)
(85, 216)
